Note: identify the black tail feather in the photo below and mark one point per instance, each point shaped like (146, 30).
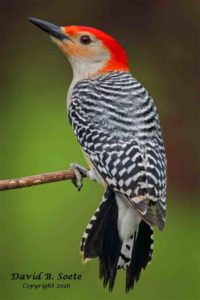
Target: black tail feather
(141, 254)
(93, 244)
(111, 246)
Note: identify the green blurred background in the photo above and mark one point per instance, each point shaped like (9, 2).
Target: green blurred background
(41, 227)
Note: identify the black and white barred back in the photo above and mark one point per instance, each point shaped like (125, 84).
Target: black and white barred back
(117, 124)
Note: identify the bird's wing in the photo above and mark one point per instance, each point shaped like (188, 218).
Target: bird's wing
(133, 169)
(137, 177)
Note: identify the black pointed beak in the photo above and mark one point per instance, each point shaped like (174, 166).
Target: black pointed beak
(50, 28)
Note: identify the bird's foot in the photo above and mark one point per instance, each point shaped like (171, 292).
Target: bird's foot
(80, 172)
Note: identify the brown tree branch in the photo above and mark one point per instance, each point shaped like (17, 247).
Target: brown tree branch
(9, 184)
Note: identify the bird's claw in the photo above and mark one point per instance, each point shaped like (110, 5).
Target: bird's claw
(78, 180)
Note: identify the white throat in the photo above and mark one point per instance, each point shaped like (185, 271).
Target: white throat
(82, 69)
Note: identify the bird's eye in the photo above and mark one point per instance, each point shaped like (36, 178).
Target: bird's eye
(85, 39)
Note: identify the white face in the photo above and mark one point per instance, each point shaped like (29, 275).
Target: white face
(86, 54)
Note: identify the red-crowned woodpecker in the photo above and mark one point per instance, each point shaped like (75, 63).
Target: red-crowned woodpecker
(116, 123)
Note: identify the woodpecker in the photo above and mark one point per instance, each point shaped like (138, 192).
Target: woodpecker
(117, 125)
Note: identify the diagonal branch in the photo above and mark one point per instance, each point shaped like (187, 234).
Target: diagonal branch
(9, 184)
